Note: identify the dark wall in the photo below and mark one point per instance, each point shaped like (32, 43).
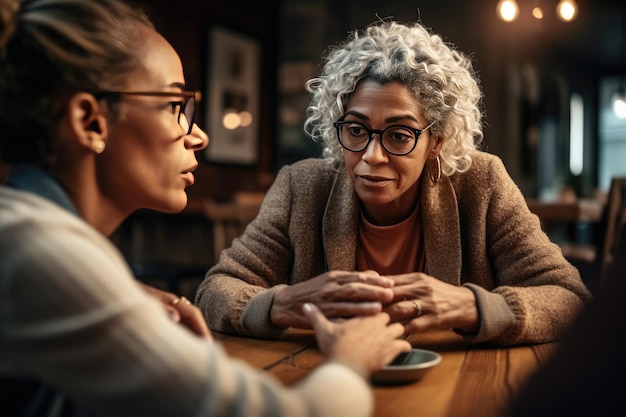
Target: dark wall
(565, 56)
(528, 70)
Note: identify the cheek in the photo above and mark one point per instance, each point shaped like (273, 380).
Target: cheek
(351, 159)
(411, 171)
(418, 162)
(140, 158)
(146, 141)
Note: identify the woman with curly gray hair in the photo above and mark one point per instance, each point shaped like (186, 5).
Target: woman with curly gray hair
(442, 80)
(403, 214)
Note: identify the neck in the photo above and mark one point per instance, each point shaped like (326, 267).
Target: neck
(394, 212)
(91, 205)
(384, 216)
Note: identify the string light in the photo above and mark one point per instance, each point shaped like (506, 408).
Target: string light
(567, 10)
(509, 10)
(232, 119)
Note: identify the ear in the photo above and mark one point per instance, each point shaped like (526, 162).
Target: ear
(87, 121)
(438, 144)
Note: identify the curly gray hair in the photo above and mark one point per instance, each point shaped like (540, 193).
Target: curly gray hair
(440, 77)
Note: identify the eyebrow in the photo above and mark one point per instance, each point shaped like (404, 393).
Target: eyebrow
(177, 85)
(388, 120)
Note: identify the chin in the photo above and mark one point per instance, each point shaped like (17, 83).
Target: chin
(173, 205)
(375, 199)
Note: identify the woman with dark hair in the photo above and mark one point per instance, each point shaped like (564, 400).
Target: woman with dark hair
(97, 122)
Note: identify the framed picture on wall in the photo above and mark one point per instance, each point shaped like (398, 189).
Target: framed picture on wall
(232, 97)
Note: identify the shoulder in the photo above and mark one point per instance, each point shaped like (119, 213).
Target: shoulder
(487, 181)
(49, 252)
(39, 234)
(311, 168)
(484, 163)
(305, 188)
(487, 171)
(23, 209)
(313, 173)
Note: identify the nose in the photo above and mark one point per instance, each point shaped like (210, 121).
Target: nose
(197, 139)
(374, 153)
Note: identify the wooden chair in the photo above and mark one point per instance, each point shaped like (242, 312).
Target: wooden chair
(594, 260)
(230, 218)
(560, 220)
(615, 220)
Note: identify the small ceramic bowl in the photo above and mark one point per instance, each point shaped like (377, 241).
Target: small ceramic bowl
(407, 367)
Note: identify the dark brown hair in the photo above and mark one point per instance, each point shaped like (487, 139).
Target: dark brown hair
(51, 49)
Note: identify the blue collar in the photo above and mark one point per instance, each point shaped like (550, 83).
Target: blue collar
(37, 181)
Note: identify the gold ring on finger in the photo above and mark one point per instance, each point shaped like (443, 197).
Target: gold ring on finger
(418, 308)
(182, 299)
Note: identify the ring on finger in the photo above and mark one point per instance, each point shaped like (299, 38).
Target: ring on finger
(182, 299)
(418, 308)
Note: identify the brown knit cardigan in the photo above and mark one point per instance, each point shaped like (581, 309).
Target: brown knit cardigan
(478, 232)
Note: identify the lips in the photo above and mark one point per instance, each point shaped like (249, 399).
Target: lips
(188, 175)
(189, 178)
(192, 169)
(374, 180)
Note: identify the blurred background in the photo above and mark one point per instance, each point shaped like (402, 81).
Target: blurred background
(532, 72)
(549, 91)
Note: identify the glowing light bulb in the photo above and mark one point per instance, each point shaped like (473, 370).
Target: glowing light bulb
(538, 13)
(245, 118)
(567, 10)
(508, 10)
(619, 104)
(231, 120)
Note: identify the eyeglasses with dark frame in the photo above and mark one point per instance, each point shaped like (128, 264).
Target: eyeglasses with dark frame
(186, 107)
(396, 140)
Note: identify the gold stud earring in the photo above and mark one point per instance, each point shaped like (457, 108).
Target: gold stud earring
(99, 146)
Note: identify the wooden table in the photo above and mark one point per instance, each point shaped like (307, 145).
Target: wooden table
(562, 221)
(470, 380)
(581, 209)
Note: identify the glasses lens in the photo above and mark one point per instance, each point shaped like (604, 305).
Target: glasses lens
(186, 118)
(399, 139)
(353, 136)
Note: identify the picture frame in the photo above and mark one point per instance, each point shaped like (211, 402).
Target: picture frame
(232, 97)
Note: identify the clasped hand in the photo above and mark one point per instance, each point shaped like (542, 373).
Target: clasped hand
(343, 294)
(442, 305)
(337, 294)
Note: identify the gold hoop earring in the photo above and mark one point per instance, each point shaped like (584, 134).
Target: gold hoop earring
(434, 179)
(99, 147)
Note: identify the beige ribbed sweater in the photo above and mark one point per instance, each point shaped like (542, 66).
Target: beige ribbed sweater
(72, 316)
(478, 232)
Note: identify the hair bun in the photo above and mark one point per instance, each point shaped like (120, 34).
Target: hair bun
(8, 20)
